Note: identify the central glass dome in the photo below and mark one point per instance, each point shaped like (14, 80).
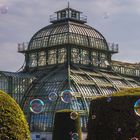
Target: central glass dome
(68, 32)
(67, 40)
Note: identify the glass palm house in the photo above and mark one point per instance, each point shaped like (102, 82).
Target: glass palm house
(67, 63)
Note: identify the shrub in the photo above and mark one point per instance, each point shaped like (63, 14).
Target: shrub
(113, 117)
(65, 127)
(13, 125)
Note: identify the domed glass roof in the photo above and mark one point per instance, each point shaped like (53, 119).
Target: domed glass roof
(79, 87)
(68, 32)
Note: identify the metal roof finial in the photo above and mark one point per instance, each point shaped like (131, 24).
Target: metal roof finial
(68, 4)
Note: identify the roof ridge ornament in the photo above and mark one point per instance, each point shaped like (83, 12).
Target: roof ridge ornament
(68, 4)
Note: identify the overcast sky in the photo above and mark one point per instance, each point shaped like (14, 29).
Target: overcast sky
(117, 20)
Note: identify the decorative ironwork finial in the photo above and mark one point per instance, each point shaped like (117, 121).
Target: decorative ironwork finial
(68, 4)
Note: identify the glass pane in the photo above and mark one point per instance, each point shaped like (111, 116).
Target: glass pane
(75, 55)
(52, 56)
(4, 83)
(103, 58)
(78, 39)
(61, 55)
(32, 60)
(84, 57)
(41, 58)
(58, 39)
(36, 43)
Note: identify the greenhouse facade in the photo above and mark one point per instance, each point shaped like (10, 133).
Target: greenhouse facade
(67, 63)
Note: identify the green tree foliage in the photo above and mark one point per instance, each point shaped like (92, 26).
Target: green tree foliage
(113, 117)
(13, 125)
(66, 128)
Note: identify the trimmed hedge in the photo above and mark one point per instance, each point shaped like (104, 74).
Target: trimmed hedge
(113, 117)
(13, 125)
(65, 127)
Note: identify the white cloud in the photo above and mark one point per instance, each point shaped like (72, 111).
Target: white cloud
(25, 17)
